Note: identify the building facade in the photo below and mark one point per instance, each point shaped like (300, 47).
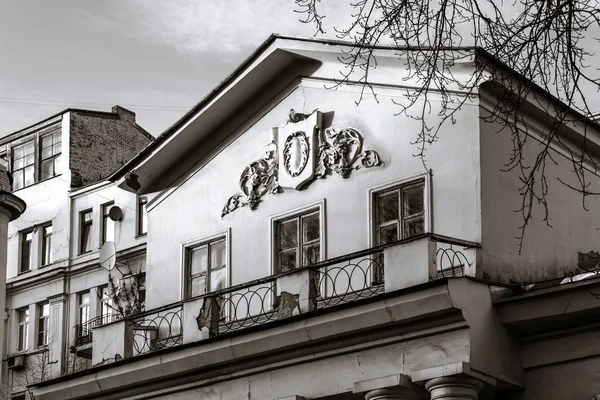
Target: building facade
(298, 250)
(55, 287)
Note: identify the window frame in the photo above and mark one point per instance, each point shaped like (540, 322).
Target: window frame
(22, 235)
(106, 222)
(32, 140)
(188, 246)
(44, 245)
(141, 216)
(275, 221)
(81, 245)
(400, 184)
(53, 157)
(43, 324)
(22, 346)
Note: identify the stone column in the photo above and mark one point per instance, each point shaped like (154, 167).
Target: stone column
(391, 394)
(11, 207)
(454, 388)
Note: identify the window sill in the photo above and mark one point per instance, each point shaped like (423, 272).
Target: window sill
(35, 183)
(141, 235)
(24, 272)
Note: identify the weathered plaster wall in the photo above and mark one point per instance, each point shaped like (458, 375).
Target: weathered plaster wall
(548, 251)
(101, 143)
(195, 207)
(321, 378)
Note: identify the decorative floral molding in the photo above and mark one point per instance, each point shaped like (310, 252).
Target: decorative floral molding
(295, 153)
(305, 152)
(258, 179)
(341, 151)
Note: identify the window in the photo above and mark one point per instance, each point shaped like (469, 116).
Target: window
(46, 244)
(142, 217)
(26, 251)
(50, 149)
(84, 307)
(18, 396)
(108, 309)
(23, 329)
(85, 231)
(108, 225)
(43, 319)
(399, 212)
(23, 167)
(206, 267)
(298, 241)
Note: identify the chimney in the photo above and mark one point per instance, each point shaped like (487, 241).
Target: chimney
(124, 114)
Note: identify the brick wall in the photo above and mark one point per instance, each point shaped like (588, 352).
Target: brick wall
(101, 143)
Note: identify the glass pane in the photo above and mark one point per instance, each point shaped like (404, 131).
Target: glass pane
(84, 314)
(217, 255)
(17, 179)
(287, 261)
(29, 176)
(197, 286)
(29, 236)
(57, 164)
(29, 160)
(388, 234)
(45, 310)
(22, 337)
(413, 200)
(413, 227)
(85, 298)
(46, 153)
(310, 254)
(288, 235)
(109, 233)
(56, 148)
(25, 256)
(47, 249)
(87, 216)
(198, 260)
(47, 169)
(48, 230)
(217, 279)
(18, 164)
(387, 207)
(23, 315)
(18, 152)
(46, 141)
(310, 227)
(86, 238)
(28, 148)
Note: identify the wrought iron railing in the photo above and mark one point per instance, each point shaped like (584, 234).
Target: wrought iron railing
(453, 256)
(83, 331)
(335, 281)
(157, 330)
(349, 278)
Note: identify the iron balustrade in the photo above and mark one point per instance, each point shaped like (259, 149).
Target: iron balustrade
(157, 330)
(343, 279)
(83, 331)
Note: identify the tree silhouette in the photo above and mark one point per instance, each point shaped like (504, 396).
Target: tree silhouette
(528, 47)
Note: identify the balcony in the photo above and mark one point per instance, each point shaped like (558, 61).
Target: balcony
(328, 284)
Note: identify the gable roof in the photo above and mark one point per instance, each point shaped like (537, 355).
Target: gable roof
(302, 55)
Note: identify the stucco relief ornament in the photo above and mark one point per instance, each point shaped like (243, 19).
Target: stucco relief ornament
(342, 151)
(257, 179)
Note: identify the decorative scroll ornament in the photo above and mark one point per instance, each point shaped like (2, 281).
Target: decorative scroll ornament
(295, 153)
(297, 144)
(258, 179)
(341, 152)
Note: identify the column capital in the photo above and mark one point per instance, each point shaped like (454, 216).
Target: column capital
(454, 387)
(392, 394)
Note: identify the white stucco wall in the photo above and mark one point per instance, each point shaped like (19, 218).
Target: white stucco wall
(193, 210)
(548, 251)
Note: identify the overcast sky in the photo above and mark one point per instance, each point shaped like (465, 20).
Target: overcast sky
(155, 57)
